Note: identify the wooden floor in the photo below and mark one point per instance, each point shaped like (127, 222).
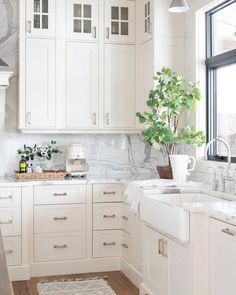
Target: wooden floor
(116, 279)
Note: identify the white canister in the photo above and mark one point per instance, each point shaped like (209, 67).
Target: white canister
(180, 166)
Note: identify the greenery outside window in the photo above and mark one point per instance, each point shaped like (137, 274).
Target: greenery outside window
(221, 78)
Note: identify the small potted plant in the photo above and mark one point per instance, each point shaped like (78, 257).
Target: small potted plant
(168, 103)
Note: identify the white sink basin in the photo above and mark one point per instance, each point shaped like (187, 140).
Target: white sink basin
(169, 213)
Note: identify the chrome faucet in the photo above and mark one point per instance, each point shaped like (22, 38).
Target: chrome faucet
(228, 153)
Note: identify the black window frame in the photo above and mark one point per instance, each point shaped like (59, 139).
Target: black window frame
(212, 64)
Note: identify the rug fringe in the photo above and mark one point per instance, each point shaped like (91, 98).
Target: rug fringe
(105, 277)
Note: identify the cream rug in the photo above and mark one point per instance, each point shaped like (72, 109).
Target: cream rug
(77, 287)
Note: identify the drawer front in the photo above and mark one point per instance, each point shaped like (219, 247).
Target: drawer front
(59, 218)
(10, 221)
(10, 197)
(107, 193)
(59, 194)
(126, 218)
(107, 216)
(107, 243)
(126, 246)
(53, 247)
(12, 248)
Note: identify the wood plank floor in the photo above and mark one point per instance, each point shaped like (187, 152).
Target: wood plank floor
(116, 279)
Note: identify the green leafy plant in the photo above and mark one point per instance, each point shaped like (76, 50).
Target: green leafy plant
(168, 102)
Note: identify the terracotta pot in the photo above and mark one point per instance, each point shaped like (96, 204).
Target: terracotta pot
(165, 172)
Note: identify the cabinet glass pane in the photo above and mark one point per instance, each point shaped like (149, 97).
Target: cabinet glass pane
(145, 10)
(36, 21)
(115, 28)
(124, 28)
(45, 6)
(87, 11)
(124, 13)
(146, 25)
(77, 26)
(114, 12)
(36, 5)
(148, 8)
(87, 26)
(45, 21)
(77, 10)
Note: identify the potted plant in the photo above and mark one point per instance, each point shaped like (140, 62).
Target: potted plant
(168, 103)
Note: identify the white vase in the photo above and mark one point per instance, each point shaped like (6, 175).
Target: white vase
(180, 166)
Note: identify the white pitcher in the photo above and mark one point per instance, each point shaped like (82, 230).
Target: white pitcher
(180, 166)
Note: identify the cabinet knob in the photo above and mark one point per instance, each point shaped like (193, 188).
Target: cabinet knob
(107, 119)
(28, 118)
(107, 33)
(29, 25)
(125, 218)
(94, 119)
(94, 32)
(124, 245)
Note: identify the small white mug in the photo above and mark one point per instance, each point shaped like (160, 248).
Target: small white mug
(180, 166)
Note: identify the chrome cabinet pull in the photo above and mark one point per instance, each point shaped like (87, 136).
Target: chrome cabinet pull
(28, 118)
(59, 194)
(165, 243)
(60, 218)
(124, 245)
(109, 193)
(94, 119)
(8, 251)
(29, 25)
(125, 218)
(109, 244)
(160, 246)
(60, 246)
(109, 216)
(6, 198)
(6, 222)
(107, 33)
(94, 33)
(107, 119)
(229, 232)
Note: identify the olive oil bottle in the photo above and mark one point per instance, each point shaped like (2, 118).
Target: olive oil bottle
(22, 165)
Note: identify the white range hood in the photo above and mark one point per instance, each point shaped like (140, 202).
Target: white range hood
(4, 83)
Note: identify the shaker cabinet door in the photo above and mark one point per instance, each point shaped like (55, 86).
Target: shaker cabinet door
(40, 17)
(119, 86)
(40, 83)
(82, 19)
(81, 85)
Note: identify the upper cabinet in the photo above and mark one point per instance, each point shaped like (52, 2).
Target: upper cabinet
(82, 19)
(40, 17)
(147, 25)
(120, 21)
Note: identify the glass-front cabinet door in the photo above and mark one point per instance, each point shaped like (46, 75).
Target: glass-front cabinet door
(82, 19)
(147, 20)
(40, 17)
(120, 21)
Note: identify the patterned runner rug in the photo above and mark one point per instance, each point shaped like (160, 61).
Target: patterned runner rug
(75, 287)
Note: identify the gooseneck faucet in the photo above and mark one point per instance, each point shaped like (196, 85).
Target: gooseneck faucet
(228, 152)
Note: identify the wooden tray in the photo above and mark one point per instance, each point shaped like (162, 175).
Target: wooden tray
(43, 175)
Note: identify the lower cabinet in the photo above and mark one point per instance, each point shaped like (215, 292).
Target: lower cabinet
(222, 258)
(165, 265)
(12, 248)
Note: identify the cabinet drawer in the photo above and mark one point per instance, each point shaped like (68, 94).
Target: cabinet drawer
(107, 243)
(126, 218)
(52, 247)
(12, 248)
(10, 197)
(59, 218)
(107, 192)
(10, 221)
(126, 246)
(107, 216)
(222, 228)
(59, 194)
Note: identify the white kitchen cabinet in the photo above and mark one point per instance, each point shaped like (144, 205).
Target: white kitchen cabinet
(119, 86)
(222, 258)
(40, 17)
(136, 242)
(145, 13)
(82, 19)
(81, 85)
(120, 21)
(40, 91)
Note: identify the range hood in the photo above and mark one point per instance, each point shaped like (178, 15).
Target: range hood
(4, 83)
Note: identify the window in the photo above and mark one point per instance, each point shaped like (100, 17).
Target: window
(221, 78)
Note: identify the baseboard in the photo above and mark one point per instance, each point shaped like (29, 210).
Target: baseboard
(74, 266)
(135, 276)
(19, 273)
(143, 290)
